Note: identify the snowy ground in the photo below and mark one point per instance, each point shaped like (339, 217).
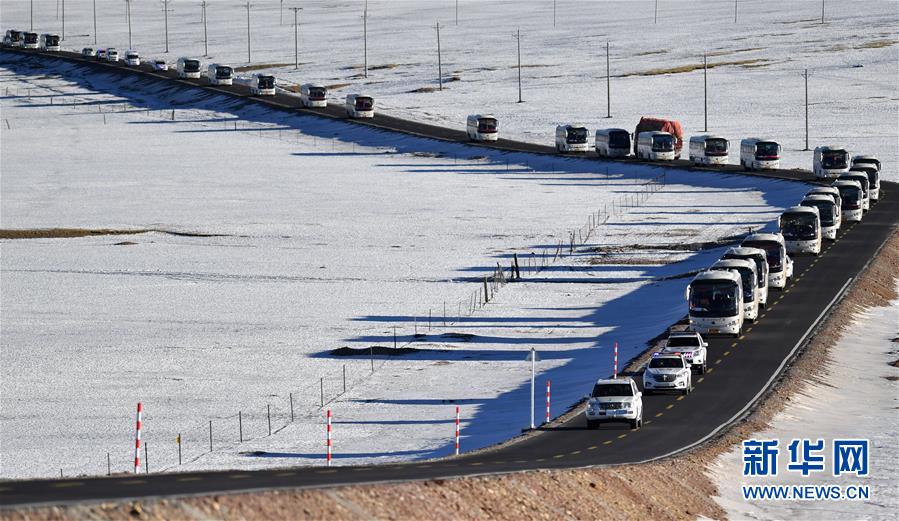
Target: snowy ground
(755, 83)
(859, 384)
(323, 235)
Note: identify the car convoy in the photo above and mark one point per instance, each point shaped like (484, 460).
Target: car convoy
(720, 299)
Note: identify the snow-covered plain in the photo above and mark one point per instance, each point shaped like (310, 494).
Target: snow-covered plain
(328, 236)
(859, 384)
(756, 84)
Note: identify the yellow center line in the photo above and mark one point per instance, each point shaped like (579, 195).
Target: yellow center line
(607, 442)
(709, 370)
(429, 466)
(659, 414)
(679, 398)
(475, 464)
(360, 469)
(788, 289)
(741, 337)
(734, 344)
(521, 461)
(669, 406)
(197, 478)
(243, 476)
(67, 484)
(540, 459)
(726, 353)
(558, 456)
(330, 471)
(133, 482)
(749, 329)
(575, 453)
(647, 422)
(701, 378)
(764, 315)
(718, 361)
(622, 436)
(592, 447)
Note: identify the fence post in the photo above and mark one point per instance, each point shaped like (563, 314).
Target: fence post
(240, 424)
(486, 293)
(108, 465)
(457, 430)
(291, 407)
(344, 378)
(210, 435)
(322, 387)
(268, 408)
(329, 437)
(179, 448)
(146, 460)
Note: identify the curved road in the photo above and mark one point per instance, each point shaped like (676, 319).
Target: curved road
(740, 371)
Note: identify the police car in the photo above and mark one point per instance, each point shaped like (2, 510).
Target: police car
(615, 400)
(668, 372)
(691, 345)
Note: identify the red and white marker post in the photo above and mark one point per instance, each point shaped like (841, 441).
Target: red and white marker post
(615, 362)
(329, 437)
(457, 430)
(140, 410)
(548, 382)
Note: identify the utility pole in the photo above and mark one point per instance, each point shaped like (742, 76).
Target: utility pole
(128, 12)
(608, 84)
(705, 92)
(735, 11)
(518, 39)
(805, 74)
(365, 41)
(281, 12)
(554, 13)
(205, 39)
(32, 15)
(439, 62)
(822, 11)
(63, 20)
(655, 19)
(457, 12)
(249, 56)
(95, 22)
(165, 9)
(296, 45)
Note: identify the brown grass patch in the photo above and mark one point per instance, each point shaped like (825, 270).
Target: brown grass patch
(876, 44)
(260, 66)
(335, 86)
(650, 53)
(735, 51)
(759, 62)
(64, 233)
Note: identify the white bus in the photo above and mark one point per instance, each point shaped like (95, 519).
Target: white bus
(829, 162)
(708, 150)
(865, 160)
(852, 196)
(833, 193)
(13, 38)
(481, 127)
(749, 283)
(29, 40)
(827, 210)
(261, 85)
(572, 138)
(313, 95)
(715, 301)
(612, 142)
(780, 265)
(112, 54)
(188, 67)
(132, 58)
(360, 106)
(757, 256)
(50, 42)
(759, 154)
(801, 229)
(862, 180)
(873, 179)
(219, 74)
(656, 146)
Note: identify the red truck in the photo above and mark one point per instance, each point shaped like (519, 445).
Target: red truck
(664, 125)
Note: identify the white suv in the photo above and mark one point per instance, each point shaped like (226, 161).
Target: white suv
(667, 372)
(615, 400)
(691, 345)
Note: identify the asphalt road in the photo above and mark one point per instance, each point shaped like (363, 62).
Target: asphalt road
(740, 370)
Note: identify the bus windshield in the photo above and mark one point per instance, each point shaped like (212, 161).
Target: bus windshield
(716, 147)
(606, 390)
(576, 135)
(799, 226)
(767, 150)
(619, 139)
(486, 125)
(30, 37)
(317, 93)
(663, 143)
(223, 72)
(748, 279)
(713, 298)
(852, 196)
(191, 66)
(364, 103)
(835, 159)
(772, 252)
(825, 210)
(266, 82)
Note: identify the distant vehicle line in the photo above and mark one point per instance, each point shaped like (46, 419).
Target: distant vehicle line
(739, 373)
